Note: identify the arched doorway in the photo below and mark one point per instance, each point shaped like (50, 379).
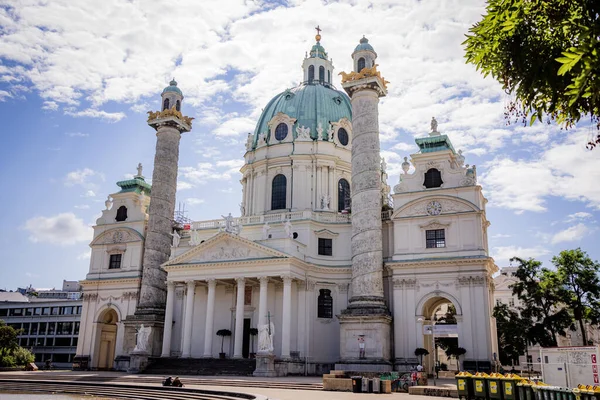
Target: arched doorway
(107, 336)
(441, 338)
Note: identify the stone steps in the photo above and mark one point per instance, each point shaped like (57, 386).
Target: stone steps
(200, 366)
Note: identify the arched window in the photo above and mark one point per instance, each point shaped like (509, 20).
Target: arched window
(321, 74)
(178, 105)
(343, 195)
(361, 64)
(328, 76)
(325, 304)
(121, 214)
(278, 192)
(433, 179)
(281, 131)
(343, 136)
(311, 73)
(166, 104)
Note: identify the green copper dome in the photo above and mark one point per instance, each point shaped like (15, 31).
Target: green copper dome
(309, 104)
(318, 51)
(172, 88)
(363, 45)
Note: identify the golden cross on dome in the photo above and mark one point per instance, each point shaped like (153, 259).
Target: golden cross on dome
(318, 36)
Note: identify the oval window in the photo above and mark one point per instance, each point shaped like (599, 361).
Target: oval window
(343, 136)
(281, 131)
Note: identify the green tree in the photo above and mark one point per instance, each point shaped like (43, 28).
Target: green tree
(577, 277)
(540, 299)
(513, 332)
(545, 53)
(11, 353)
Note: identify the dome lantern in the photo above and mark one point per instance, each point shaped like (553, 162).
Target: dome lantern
(171, 96)
(318, 68)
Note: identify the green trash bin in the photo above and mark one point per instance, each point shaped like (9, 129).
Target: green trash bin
(464, 385)
(509, 388)
(480, 388)
(494, 386)
(525, 391)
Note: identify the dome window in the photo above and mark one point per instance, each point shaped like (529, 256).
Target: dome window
(121, 214)
(166, 104)
(278, 192)
(322, 74)
(343, 136)
(311, 73)
(328, 76)
(281, 131)
(178, 105)
(433, 179)
(361, 64)
(343, 195)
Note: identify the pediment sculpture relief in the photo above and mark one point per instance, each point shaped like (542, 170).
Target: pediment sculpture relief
(446, 206)
(226, 250)
(116, 236)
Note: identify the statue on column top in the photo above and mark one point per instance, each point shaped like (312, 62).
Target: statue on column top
(108, 203)
(434, 126)
(265, 230)
(139, 170)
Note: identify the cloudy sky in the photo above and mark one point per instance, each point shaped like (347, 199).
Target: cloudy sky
(76, 79)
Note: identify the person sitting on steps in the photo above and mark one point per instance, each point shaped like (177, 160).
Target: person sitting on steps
(177, 382)
(168, 382)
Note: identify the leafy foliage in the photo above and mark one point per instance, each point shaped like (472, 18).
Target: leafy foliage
(512, 334)
(11, 354)
(544, 52)
(576, 277)
(541, 307)
(223, 333)
(420, 352)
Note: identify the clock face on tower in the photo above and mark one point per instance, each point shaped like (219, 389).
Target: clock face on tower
(434, 208)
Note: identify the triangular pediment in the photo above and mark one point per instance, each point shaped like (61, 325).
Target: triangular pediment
(225, 247)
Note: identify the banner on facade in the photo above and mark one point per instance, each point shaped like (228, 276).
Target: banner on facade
(450, 330)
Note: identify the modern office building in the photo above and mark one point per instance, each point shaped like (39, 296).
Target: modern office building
(50, 322)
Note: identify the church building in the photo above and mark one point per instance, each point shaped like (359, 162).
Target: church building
(284, 277)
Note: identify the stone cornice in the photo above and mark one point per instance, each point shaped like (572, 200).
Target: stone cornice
(433, 262)
(104, 282)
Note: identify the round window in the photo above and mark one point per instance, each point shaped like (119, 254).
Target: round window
(343, 136)
(281, 131)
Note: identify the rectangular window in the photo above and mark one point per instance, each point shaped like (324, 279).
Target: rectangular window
(38, 311)
(46, 311)
(3, 312)
(325, 304)
(28, 312)
(54, 310)
(62, 342)
(76, 331)
(115, 261)
(67, 311)
(435, 238)
(25, 328)
(51, 328)
(42, 330)
(64, 328)
(78, 310)
(325, 247)
(16, 312)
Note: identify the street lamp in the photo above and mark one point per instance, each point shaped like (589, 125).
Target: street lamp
(432, 345)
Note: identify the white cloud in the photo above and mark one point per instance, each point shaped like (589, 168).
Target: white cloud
(82, 177)
(110, 117)
(571, 234)
(181, 185)
(62, 229)
(503, 254)
(140, 108)
(500, 236)
(50, 106)
(564, 170)
(77, 134)
(193, 201)
(5, 95)
(86, 255)
(89, 193)
(582, 215)
(203, 172)
(82, 207)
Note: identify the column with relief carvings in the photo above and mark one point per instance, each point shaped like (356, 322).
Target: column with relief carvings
(166, 345)
(262, 300)
(287, 317)
(189, 313)
(210, 314)
(239, 318)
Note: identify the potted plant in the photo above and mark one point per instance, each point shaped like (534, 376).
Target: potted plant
(253, 332)
(456, 352)
(223, 333)
(420, 352)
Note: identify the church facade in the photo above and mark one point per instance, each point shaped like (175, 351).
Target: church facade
(282, 275)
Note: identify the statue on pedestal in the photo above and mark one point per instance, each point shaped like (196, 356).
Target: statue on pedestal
(265, 337)
(142, 336)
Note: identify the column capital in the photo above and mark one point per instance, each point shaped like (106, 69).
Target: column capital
(263, 280)
(241, 281)
(287, 280)
(211, 282)
(191, 283)
(170, 285)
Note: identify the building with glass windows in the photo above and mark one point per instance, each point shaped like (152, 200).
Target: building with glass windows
(288, 260)
(51, 325)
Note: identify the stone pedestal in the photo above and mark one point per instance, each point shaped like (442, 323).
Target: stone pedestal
(132, 323)
(375, 331)
(138, 361)
(265, 365)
